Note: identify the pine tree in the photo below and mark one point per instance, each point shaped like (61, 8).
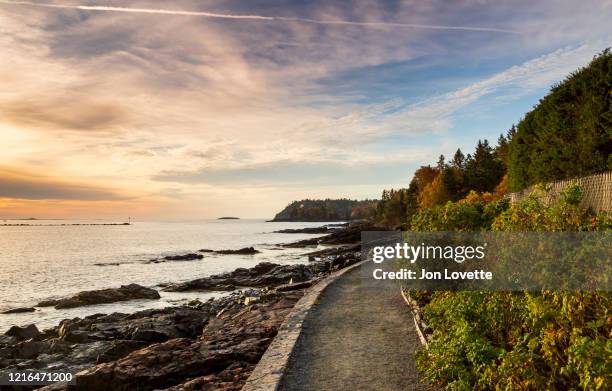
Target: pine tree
(569, 133)
(459, 160)
(441, 163)
(483, 171)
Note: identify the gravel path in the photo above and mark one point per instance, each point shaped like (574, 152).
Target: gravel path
(355, 338)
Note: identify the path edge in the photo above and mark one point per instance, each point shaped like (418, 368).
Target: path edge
(415, 310)
(269, 371)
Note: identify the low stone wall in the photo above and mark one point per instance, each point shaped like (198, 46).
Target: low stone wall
(596, 189)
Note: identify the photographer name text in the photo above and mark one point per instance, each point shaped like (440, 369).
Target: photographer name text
(405, 274)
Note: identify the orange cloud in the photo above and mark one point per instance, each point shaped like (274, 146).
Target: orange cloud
(62, 114)
(25, 194)
(23, 185)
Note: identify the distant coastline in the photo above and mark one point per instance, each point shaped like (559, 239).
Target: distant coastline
(56, 225)
(328, 210)
(228, 218)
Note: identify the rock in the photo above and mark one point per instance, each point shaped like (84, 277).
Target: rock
(58, 346)
(292, 287)
(66, 326)
(77, 344)
(111, 295)
(47, 303)
(242, 251)
(76, 336)
(19, 310)
(30, 349)
(149, 325)
(230, 379)
(119, 349)
(28, 332)
(346, 235)
(251, 300)
(302, 243)
(186, 257)
(262, 275)
(155, 367)
(149, 335)
(333, 251)
(227, 350)
(307, 230)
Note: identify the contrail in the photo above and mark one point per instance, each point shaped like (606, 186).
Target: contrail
(255, 17)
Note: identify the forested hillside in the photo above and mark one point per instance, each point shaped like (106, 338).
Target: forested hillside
(327, 210)
(569, 133)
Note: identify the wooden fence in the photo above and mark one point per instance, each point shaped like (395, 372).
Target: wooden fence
(596, 191)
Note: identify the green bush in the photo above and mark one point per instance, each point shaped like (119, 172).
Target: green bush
(517, 340)
(464, 215)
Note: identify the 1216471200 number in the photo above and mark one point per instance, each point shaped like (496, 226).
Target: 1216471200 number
(35, 377)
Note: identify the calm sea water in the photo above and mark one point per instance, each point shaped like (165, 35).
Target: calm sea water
(42, 262)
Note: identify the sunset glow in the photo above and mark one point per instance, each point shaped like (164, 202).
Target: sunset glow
(207, 109)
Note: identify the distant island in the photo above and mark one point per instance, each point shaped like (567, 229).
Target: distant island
(327, 210)
(228, 218)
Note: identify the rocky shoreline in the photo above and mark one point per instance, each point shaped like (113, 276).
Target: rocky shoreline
(212, 345)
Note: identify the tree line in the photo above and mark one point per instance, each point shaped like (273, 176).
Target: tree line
(567, 134)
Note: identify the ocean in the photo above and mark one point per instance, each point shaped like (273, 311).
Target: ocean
(45, 260)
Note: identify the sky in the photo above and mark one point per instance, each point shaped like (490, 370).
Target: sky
(199, 109)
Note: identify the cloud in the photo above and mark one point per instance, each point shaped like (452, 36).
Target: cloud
(141, 101)
(371, 169)
(258, 17)
(436, 113)
(58, 114)
(26, 186)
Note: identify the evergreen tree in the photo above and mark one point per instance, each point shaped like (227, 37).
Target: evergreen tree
(569, 133)
(441, 163)
(502, 149)
(483, 171)
(459, 160)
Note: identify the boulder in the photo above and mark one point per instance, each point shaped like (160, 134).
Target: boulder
(19, 310)
(148, 335)
(30, 349)
(119, 349)
(102, 296)
(27, 332)
(308, 230)
(186, 257)
(242, 251)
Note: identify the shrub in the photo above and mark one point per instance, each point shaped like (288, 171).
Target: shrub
(518, 340)
(475, 212)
